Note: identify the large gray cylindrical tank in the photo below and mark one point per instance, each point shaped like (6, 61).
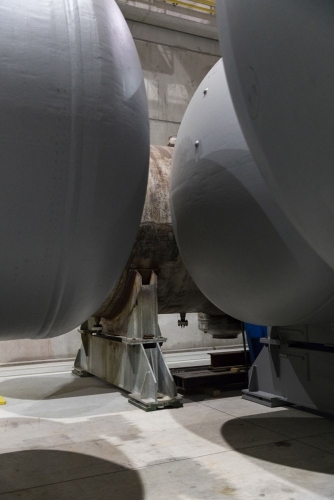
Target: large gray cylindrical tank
(237, 244)
(74, 148)
(278, 56)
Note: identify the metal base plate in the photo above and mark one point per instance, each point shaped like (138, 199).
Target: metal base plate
(263, 399)
(175, 403)
(81, 373)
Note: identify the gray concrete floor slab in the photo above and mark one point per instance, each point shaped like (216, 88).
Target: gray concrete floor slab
(64, 437)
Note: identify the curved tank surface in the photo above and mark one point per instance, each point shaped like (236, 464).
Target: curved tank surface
(279, 62)
(74, 150)
(155, 249)
(236, 242)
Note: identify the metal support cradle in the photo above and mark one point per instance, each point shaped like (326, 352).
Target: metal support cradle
(130, 357)
(295, 367)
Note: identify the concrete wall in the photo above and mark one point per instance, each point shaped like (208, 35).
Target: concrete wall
(190, 337)
(67, 345)
(174, 63)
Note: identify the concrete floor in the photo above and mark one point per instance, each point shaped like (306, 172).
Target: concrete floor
(63, 438)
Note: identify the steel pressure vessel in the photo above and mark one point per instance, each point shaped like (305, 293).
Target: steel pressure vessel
(278, 57)
(74, 151)
(236, 242)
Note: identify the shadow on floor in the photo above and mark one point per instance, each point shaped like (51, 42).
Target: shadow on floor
(295, 448)
(42, 474)
(54, 387)
(198, 397)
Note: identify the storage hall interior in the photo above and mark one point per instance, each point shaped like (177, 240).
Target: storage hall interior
(167, 243)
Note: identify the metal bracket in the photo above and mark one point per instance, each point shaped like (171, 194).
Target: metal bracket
(183, 322)
(129, 356)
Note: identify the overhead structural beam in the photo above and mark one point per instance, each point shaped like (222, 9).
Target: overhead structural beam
(170, 16)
